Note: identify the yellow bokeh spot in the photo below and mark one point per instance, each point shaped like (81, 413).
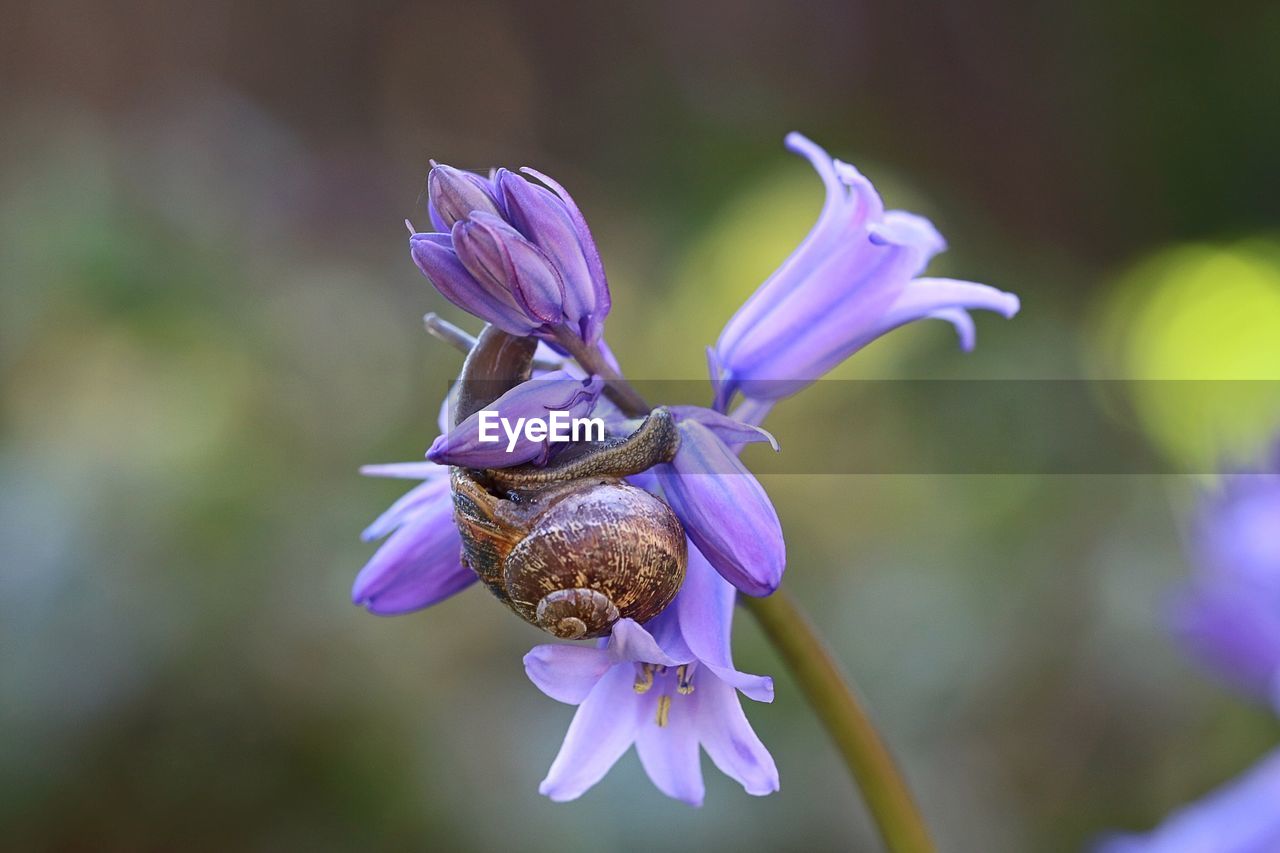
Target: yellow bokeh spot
(1202, 322)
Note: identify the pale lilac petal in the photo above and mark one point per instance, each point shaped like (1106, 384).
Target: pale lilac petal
(909, 229)
(1240, 817)
(603, 728)
(849, 282)
(725, 511)
(841, 308)
(840, 223)
(729, 430)
(566, 673)
(704, 607)
(670, 753)
(630, 642)
(924, 296)
(419, 565)
(405, 470)
(729, 739)
(962, 322)
(429, 496)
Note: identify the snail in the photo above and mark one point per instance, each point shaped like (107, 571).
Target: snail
(570, 547)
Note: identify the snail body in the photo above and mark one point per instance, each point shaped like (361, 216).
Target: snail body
(570, 547)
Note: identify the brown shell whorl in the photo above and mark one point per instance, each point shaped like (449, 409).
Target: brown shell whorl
(572, 614)
(617, 548)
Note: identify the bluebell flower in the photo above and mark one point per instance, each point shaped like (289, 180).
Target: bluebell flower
(855, 277)
(669, 688)
(723, 507)
(419, 563)
(513, 253)
(1228, 615)
(1243, 816)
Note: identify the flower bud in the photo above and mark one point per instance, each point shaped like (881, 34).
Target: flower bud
(725, 511)
(495, 437)
(453, 195)
(503, 261)
(544, 219)
(436, 258)
(519, 255)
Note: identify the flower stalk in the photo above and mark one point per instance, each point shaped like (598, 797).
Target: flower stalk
(837, 705)
(616, 388)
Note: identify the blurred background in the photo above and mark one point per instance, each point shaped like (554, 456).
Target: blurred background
(209, 319)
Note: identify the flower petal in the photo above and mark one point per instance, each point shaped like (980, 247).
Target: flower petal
(404, 470)
(1239, 817)
(436, 258)
(1232, 630)
(566, 673)
(630, 642)
(416, 567)
(603, 728)
(729, 739)
(732, 432)
(455, 195)
(542, 217)
(670, 753)
(594, 325)
(418, 499)
(704, 607)
(725, 511)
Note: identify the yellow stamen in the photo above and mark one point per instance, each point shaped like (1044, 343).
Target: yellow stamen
(664, 709)
(684, 686)
(645, 680)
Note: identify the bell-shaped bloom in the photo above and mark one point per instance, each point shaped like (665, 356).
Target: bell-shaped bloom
(1240, 817)
(668, 688)
(418, 565)
(514, 253)
(723, 508)
(852, 279)
(507, 432)
(1228, 615)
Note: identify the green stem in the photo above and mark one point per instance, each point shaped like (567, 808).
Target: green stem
(846, 720)
(616, 388)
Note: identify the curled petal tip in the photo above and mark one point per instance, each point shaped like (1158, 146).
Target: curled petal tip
(1011, 305)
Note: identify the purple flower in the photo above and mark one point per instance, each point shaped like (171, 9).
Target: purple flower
(722, 506)
(495, 437)
(419, 564)
(669, 690)
(852, 279)
(1240, 817)
(514, 253)
(1228, 615)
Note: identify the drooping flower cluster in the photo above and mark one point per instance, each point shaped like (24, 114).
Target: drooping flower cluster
(1228, 618)
(520, 256)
